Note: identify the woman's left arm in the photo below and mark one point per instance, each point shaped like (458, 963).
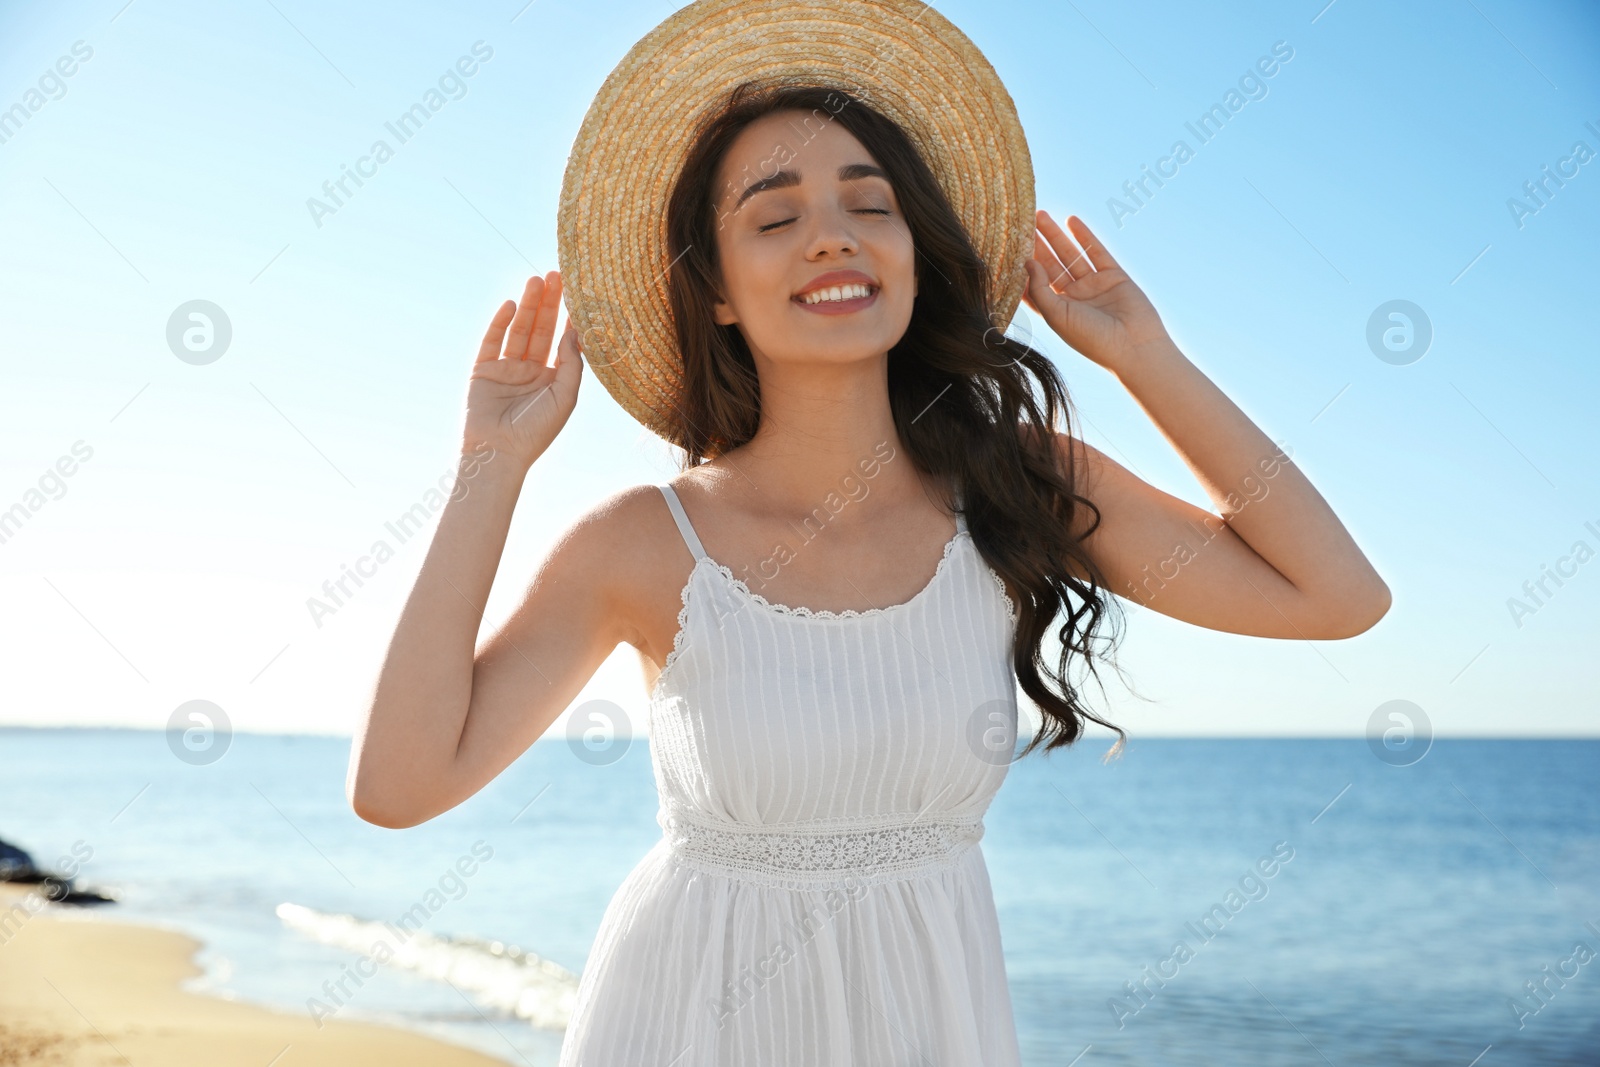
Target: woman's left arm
(1277, 562)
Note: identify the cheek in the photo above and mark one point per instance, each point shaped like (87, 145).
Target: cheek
(895, 251)
(757, 272)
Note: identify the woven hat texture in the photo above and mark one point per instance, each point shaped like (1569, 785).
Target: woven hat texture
(900, 57)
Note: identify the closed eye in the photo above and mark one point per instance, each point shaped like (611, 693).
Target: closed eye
(785, 222)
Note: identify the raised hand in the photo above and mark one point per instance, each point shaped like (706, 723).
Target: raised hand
(1086, 297)
(515, 403)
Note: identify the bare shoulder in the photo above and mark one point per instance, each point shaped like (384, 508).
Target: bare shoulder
(1094, 475)
(1113, 493)
(628, 554)
(627, 551)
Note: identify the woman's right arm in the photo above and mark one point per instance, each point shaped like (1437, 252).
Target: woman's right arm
(440, 724)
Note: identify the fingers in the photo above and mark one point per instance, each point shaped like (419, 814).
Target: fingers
(1057, 275)
(1040, 294)
(1034, 271)
(532, 323)
(490, 349)
(544, 329)
(1076, 264)
(569, 365)
(522, 324)
(1099, 256)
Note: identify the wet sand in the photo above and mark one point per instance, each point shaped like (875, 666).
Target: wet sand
(78, 987)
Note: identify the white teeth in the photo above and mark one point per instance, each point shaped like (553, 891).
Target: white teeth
(838, 292)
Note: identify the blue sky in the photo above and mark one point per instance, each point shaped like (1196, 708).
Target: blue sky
(207, 503)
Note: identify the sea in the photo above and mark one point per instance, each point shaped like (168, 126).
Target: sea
(1191, 902)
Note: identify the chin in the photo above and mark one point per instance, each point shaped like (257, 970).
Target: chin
(843, 353)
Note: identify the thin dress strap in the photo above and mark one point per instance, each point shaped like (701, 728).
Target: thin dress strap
(690, 538)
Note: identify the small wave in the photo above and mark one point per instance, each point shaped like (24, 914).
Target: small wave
(498, 975)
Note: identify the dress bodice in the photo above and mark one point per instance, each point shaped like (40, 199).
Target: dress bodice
(773, 717)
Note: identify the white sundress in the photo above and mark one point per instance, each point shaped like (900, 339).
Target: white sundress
(818, 897)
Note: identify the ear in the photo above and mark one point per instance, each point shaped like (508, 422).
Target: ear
(720, 311)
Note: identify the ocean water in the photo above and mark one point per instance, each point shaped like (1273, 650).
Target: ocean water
(1195, 902)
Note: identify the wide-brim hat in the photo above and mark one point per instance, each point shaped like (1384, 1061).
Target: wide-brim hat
(899, 57)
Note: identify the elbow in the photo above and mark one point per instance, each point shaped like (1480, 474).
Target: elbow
(380, 811)
(394, 792)
(1373, 608)
(381, 816)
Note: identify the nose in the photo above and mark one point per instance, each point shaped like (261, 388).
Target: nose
(833, 233)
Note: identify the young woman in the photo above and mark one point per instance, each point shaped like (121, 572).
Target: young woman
(831, 712)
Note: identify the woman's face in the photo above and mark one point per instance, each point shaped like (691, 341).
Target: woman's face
(786, 218)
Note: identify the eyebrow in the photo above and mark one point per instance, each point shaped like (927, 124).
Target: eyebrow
(786, 178)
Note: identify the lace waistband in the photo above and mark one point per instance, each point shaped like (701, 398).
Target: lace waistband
(835, 857)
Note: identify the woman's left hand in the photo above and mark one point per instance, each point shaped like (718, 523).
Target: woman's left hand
(1086, 297)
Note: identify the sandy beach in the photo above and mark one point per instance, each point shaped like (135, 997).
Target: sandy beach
(85, 989)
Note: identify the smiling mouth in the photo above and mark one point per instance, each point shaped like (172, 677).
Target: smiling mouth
(852, 293)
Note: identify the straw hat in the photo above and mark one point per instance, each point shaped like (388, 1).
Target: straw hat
(900, 57)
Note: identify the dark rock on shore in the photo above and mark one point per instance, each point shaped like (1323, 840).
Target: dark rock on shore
(16, 865)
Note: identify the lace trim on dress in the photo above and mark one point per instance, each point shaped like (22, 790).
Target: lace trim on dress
(679, 637)
(999, 583)
(837, 859)
(847, 613)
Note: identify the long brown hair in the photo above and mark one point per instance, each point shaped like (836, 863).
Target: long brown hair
(962, 391)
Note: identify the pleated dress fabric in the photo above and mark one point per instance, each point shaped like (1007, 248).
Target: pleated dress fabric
(819, 895)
